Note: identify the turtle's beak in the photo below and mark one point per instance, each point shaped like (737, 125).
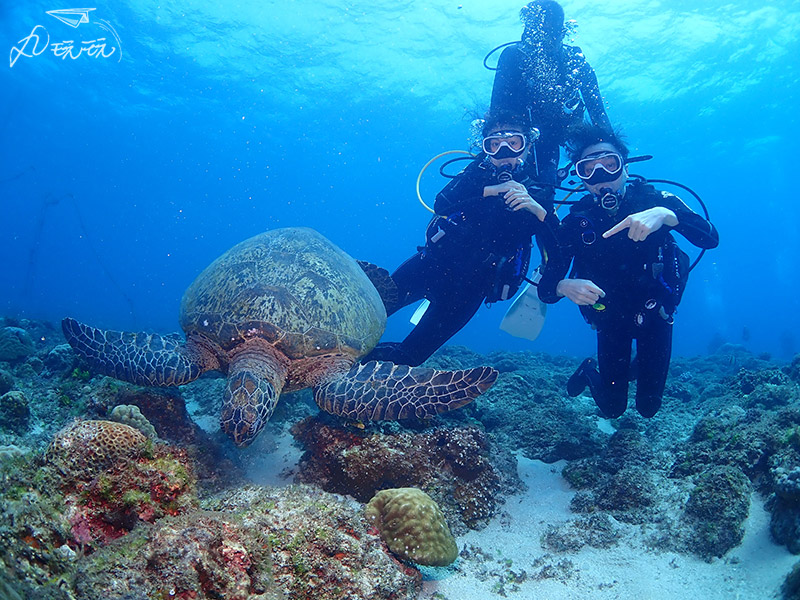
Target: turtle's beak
(241, 424)
(249, 399)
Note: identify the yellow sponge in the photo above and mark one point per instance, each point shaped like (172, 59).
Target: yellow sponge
(413, 526)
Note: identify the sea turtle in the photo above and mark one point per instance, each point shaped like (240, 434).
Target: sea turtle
(281, 311)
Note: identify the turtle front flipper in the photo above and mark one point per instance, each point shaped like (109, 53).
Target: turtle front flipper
(140, 358)
(256, 377)
(378, 391)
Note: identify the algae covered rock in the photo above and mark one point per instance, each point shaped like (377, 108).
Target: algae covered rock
(15, 413)
(6, 382)
(790, 590)
(785, 503)
(15, 344)
(198, 555)
(322, 547)
(466, 473)
(413, 526)
(61, 359)
(716, 511)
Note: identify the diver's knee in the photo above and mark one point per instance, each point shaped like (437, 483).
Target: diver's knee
(648, 407)
(613, 411)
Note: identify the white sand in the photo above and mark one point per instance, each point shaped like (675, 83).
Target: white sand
(754, 570)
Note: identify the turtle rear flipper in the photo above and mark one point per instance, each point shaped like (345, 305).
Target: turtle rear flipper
(140, 358)
(378, 391)
(383, 282)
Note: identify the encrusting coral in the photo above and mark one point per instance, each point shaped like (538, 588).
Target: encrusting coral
(413, 526)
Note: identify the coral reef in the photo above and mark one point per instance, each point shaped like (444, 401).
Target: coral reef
(15, 413)
(792, 370)
(413, 526)
(6, 382)
(527, 409)
(457, 467)
(91, 515)
(629, 494)
(112, 477)
(322, 548)
(785, 503)
(34, 531)
(620, 480)
(716, 510)
(199, 555)
(596, 530)
(15, 344)
(163, 408)
(790, 590)
(60, 361)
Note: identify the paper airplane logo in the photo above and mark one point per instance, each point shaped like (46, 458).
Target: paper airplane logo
(71, 16)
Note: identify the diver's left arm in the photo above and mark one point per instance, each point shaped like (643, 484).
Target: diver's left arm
(642, 224)
(590, 92)
(679, 217)
(696, 229)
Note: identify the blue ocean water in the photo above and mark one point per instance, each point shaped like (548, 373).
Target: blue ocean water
(126, 170)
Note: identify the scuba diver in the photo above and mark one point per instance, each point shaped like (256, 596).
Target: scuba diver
(478, 247)
(628, 273)
(549, 81)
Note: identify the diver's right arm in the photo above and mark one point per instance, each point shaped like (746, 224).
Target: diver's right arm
(583, 292)
(555, 269)
(555, 284)
(463, 190)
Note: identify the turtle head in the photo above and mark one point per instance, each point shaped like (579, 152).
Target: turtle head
(248, 404)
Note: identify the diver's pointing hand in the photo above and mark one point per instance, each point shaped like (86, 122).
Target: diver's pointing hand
(642, 224)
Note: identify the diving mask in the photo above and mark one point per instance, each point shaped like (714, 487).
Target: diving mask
(599, 167)
(504, 144)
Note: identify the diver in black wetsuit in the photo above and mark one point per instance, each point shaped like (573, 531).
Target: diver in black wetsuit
(628, 273)
(478, 247)
(549, 81)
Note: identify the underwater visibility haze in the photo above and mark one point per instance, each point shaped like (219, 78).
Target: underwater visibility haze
(123, 176)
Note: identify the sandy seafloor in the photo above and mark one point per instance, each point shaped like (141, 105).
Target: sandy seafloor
(510, 545)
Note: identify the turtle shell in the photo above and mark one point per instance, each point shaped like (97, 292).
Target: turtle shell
(291, 287)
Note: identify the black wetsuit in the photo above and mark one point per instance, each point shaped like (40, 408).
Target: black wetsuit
(473, 250)
(643, 282)
(553, 89)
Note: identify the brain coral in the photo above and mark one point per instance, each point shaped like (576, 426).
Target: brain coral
(413, 526)
(92, 445)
